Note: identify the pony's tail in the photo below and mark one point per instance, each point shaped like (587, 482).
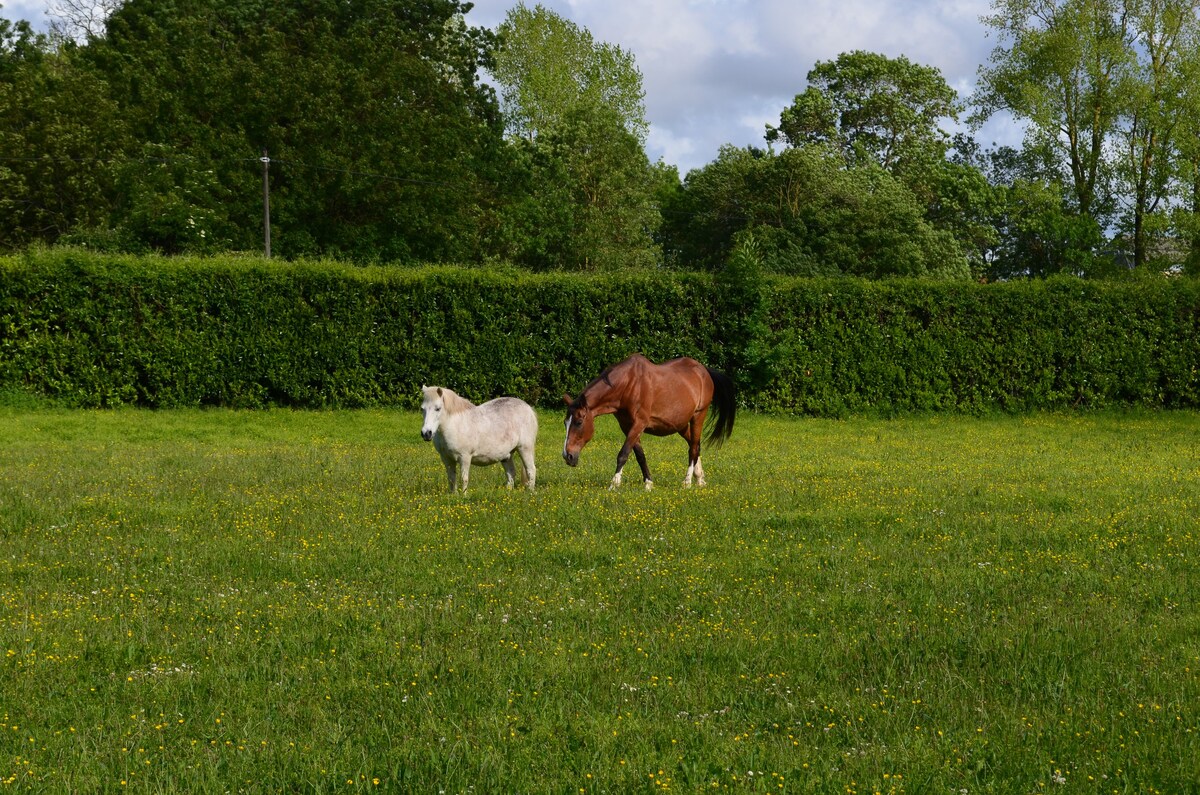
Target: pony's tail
(724, 405)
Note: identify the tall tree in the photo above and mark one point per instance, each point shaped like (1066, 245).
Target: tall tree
(548, 67)
(888, 113)
(810, 215)
(574, 111)
(1038, 232)
(872, 107)
(58, 135)
(1061, 65)
(380, 134)
(1104, 83)
(1165, 59)
(1186, 215)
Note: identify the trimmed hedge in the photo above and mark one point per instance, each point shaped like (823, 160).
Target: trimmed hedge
(95, 330)
(884, 346)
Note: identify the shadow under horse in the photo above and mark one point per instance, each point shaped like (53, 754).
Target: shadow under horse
(658, 399)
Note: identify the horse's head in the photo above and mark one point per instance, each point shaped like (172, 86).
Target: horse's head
(433, 405)
(580, 427)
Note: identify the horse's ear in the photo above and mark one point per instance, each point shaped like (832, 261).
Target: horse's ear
(439, 391)
(567, 399)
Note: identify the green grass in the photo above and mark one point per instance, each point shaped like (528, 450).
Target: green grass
(280, 601)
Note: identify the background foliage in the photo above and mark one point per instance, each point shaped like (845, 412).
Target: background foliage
(95, 330)
(139, 128)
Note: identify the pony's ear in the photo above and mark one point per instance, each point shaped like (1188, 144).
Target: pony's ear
(567, 399)
(439, 391)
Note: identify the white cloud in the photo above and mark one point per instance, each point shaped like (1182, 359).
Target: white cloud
(33, 11)
(717, 72)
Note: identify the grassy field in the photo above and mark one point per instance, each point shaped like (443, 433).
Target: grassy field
(263, 602)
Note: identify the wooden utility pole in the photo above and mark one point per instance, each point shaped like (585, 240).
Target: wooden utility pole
(266, 161)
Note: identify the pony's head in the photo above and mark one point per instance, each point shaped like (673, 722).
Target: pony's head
(580, 427)
(433, 407)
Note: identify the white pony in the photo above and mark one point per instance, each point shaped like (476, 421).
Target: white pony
(464, 433)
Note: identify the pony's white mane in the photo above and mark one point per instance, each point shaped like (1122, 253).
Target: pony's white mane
(452, 402)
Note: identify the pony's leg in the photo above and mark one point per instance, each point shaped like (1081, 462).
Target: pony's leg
(530, 467)
(510, 470)
(465, 466)
(451, 475)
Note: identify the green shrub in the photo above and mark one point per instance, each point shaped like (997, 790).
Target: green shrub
(88, 329)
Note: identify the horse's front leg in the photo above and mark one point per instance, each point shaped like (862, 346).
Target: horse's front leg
(632, 444)
(451, 473)
(641, 459)
(510, 470)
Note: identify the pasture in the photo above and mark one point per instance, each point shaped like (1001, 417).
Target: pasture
(286, 601)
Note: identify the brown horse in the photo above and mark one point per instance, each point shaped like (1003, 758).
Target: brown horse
(658, 399)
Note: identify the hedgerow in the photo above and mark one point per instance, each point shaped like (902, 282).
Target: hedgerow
(93, 330)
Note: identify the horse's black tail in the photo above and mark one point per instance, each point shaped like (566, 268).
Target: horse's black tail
(724, 406)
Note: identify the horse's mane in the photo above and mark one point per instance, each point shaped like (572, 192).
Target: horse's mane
(454, 403)
(602, 378)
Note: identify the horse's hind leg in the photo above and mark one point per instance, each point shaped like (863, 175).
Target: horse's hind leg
(692, 435)
(526, 452)
(510, 470)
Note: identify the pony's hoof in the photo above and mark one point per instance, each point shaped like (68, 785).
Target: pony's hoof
(687, 484)
(649, 485)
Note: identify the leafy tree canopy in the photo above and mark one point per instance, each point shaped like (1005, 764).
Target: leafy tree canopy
(871, 107)
(380, 134)
(548, 67)
(574, 109)
(810, 215)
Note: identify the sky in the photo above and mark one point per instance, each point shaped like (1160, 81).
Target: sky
(719, 71)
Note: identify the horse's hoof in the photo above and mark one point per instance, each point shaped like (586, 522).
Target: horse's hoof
(649, 485)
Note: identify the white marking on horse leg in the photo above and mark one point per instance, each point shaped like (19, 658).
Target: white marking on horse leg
(616, 481)
(699, 473)
(649, 485)
(687, 479)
